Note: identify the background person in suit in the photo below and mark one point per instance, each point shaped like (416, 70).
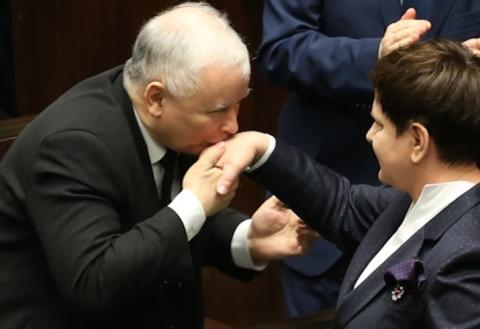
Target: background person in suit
(86, 241)
(322, 51)
(414, 245)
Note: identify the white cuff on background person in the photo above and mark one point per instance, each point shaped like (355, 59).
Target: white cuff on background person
(190, 211)
(265, 156)
(240, 249)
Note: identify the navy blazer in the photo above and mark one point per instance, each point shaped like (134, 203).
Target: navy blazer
(323, 51)
(84, 240)
(360, 219)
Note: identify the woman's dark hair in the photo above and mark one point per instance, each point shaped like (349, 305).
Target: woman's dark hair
(435, 83)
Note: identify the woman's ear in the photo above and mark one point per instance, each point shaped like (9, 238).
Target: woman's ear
(154, 98)
(421, 142)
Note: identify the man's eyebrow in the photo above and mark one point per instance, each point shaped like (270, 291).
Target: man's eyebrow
(222, 107)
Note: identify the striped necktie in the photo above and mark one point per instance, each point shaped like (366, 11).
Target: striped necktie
(422, 7)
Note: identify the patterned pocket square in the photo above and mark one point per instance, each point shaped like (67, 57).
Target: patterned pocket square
(408, 275)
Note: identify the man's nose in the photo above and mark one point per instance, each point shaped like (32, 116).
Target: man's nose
(368, 135)
(230, 126)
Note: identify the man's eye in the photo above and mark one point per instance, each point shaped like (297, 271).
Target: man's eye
(220, 110)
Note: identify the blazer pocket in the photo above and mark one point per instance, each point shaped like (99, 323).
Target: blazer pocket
(463, 26)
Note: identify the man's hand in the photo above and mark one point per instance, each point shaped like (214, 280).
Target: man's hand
(277, 232)
(202, 179)
(474, 45)
(243, 150)
(403, 33)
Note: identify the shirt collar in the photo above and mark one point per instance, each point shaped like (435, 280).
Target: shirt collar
(433, 199)
(155, 151)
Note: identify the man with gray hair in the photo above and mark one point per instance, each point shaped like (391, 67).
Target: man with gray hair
(90, 235)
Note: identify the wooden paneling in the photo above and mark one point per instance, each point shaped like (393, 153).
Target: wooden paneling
(58, 43)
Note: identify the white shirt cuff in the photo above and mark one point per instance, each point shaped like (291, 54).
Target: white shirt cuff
(190, 211)
(265, 156)
(240, 248)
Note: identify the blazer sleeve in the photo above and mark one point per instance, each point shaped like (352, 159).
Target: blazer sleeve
(75, 205)
(325, 200)
(219, 231)
(297, 54)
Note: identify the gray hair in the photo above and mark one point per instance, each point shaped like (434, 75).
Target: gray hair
(175, 45)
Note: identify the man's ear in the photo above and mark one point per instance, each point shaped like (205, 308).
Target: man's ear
(154, 96)
(421, 142)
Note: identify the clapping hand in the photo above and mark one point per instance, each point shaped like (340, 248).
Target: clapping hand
(277, 232)
(474, 45)
(403, 33)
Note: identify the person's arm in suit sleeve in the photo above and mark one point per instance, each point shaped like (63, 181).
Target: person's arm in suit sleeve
(76, 203)
(298, 55)
(313, 191)
(325, 200)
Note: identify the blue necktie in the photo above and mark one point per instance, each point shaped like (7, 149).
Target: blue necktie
(423, 7)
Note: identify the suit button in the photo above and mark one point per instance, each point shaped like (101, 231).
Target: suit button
(179, 285)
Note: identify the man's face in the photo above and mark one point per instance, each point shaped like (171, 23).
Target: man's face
(392, 151)
(191, 124)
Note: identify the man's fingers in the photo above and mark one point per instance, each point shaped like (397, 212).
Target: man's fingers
(401, 30)
(227, 180)
(309, 234)
(474, 45)
(403, 34)
(211, 155)
(476, 52)
(275, 202)
(409, 14)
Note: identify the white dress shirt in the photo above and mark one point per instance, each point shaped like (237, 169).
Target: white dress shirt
(188, 207)
(433, 199)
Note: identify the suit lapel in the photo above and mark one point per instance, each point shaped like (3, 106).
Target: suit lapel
(440, 10)
(353, 301)
(360, 297)
(151, 204)
(390, 10)
(446, 218)
(376, 237)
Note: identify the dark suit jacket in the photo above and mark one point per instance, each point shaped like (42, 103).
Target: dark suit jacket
(83, 239)
(323, 51)
(360, 219)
